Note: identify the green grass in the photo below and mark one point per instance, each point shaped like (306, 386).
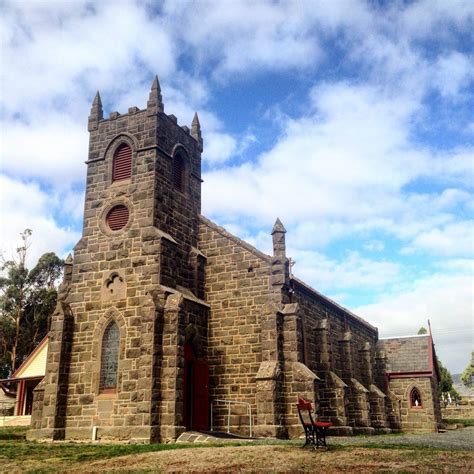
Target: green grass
(13, 432)
(459, 421)
(415, 447)
(14, 447)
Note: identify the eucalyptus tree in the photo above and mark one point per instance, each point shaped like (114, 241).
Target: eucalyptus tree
(27, 301)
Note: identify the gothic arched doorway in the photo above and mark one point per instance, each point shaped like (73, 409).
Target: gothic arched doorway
(195, 391)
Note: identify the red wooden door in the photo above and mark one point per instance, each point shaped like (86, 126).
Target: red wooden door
(201, 395)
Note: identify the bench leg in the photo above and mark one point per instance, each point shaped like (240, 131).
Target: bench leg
(321, 438)
(309, 435)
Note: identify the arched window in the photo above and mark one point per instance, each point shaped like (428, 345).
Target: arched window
(122, 165)
(109, 358)
(415, 398)
(179, 169)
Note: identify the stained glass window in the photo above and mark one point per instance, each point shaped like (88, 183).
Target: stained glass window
(109, 357)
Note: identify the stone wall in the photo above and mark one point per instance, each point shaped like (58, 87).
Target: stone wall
(423, 418)
(333, 348)
(237, 288)
(461, 411)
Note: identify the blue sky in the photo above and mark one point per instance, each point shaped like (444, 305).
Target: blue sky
(352, 121)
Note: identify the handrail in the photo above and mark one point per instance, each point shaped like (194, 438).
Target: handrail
(229, 403)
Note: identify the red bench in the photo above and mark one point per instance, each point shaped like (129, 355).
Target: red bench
(315, 431)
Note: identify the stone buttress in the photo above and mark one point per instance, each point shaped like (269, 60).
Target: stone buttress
(357, 394)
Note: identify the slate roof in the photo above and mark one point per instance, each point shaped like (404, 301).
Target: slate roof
(408, 354)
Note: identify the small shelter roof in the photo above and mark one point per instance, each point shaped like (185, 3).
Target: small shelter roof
(408, 353)
(35, 364)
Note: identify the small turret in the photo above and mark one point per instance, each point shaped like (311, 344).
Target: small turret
(96, 114)
(280, 271)
(68, 269)
(278, 238)
(155, 101)
(196, 131)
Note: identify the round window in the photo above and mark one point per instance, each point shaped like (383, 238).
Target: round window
(117, 217)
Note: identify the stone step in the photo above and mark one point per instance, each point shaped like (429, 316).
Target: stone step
(208, 437)
(15, 420)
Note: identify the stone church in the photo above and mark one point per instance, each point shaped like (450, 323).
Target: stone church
(166, 322)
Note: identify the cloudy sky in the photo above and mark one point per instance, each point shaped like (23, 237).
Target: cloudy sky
(352, 121)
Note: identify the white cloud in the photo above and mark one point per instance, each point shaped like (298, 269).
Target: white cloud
(344, 168)
(353, 271)
(26, 206)
(428, 18)
(374, 246)
(456, 239)
(219, 147)
(446, 299)
(53, 150)
(246, 36)
(49, 48)
(453, 72)
(461, 265)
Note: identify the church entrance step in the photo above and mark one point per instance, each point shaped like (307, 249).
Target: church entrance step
(208, 437)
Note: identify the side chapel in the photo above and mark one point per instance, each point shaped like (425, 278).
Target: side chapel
(162, 314)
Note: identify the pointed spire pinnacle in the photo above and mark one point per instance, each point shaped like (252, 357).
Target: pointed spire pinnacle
(67, 270)
(155, 101)
(196, 126)
(156, 83)
(96, 114)
(278, 239)
(196, 131)
(97, 100)
(278, 227)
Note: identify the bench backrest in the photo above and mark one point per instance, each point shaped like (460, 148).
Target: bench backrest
(305, 409)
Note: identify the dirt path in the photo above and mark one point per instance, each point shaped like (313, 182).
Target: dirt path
(286, 459)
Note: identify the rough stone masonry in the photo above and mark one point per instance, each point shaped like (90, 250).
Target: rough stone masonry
(165, 319)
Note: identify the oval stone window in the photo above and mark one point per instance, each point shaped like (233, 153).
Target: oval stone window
(117, 217)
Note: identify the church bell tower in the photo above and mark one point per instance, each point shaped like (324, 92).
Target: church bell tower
(135, 286)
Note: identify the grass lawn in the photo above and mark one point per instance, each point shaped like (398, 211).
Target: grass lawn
(459, 421)
(17, 454)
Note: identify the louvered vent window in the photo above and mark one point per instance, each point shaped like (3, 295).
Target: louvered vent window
(122, 167)
(109, 358)
(118, 216)
(178, 173)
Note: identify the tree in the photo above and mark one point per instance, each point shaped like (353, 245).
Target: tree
(27, 301)
(467, 376)
(445, 383)
(47, 271)
(422, 330)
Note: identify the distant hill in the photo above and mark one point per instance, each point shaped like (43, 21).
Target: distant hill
(461, 388)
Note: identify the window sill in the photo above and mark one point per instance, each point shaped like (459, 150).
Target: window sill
(107, 394)
(121, 182)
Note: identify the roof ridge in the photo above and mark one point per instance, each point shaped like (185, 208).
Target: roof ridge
(329, 300)
(403, 337)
